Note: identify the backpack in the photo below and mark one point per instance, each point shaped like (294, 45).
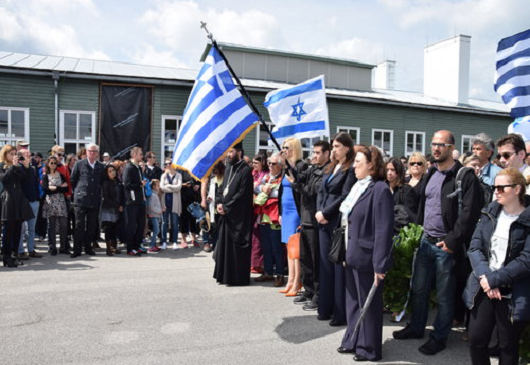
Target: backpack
(459, 191)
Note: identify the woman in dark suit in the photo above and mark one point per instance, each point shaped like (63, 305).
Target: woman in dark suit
(368, 214)
(337, 181)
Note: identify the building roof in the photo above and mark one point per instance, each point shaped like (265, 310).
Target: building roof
(247, 49)
(22, 63)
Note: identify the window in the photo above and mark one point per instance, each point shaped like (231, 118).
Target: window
(14, 124)
(170, 129)
(466, 143)
(77, 129)
(384, 139)
(354, 132)
(414, 142)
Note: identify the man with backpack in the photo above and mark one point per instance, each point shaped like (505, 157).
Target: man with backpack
(446, 230)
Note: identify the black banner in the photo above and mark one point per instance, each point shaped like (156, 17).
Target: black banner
(125, 120)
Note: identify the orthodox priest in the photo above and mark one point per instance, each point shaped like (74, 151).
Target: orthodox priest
(234, 203)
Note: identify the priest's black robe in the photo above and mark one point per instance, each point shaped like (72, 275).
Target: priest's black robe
(234, 245)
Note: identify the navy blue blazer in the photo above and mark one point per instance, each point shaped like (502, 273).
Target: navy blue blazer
(333, 191)
(370, 230)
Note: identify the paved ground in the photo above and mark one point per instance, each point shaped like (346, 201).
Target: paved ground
(166, 309)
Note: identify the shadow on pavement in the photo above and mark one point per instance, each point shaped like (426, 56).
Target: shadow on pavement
(302, 329)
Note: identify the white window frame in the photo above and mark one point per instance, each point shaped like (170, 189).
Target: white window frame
(466, 136)
(391, 131)
(416, 134)
(63, 141)
(341, 128)
(163, 143)
(270, 146)
(9, 139)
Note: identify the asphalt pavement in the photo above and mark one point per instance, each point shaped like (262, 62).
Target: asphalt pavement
(165, 308)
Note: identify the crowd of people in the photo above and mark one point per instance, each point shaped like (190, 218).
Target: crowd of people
(283, 218)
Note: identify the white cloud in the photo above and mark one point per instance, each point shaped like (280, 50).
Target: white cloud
(61, 7)
(354, 48)
(148, 55)
(10, 28)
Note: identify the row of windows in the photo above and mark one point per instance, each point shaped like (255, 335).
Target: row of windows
(77, 128)
(382, 138)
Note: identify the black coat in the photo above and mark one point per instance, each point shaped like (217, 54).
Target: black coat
(154, 173)
(514, 276)
(459, 227)
(333, 192)
(307, 186)
(86, 184)
(112, 196)
(15, 206)
(132, 185)
(46, 185)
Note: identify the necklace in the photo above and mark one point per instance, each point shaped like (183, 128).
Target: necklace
(230, 179)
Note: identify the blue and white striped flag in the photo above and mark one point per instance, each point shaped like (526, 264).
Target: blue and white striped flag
(512, 77)
(299, 111)
(521, 126)
(216, 118)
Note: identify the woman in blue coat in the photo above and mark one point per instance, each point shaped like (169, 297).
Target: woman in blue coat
(368, 215)
(337, 181)
(498, 289)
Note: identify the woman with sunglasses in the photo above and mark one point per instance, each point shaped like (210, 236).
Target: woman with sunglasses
(55, 210)
(15, 209)
(417, 169)
(498, 289)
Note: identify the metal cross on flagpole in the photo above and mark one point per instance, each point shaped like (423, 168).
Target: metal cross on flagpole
(243, 90)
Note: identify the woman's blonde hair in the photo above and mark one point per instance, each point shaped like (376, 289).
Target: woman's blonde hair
(295, 144)
(4, 151)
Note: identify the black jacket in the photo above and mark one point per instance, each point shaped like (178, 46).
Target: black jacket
(333, 192)
(132, 185)
(30, 186)
(514, 276)
(86, 183)
(154, 173)
(112, 195)
(46, 185)
(15, 206)
(459, 228)
(307, 186)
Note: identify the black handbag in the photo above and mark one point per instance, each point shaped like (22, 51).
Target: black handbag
(337, 254)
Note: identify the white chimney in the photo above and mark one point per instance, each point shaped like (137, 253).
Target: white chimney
(446, 69)
(385, 75)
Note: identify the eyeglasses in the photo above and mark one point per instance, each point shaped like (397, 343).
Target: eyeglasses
(416, 163)
(285, 148)
(501, 188)
(440, 145)
(505, 155)
(272, 163)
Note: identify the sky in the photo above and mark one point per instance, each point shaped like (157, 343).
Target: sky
(167, 32)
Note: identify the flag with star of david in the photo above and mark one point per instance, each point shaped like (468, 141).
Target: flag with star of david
(215, 119)
(299, 111)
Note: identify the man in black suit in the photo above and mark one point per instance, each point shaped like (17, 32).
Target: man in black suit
(86, 180)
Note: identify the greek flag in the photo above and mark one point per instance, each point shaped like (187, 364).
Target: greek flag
(216, 118)
(512, 77)
(521, 126)
(299, 111)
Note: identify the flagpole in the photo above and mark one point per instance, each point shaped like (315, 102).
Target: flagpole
(243, 90)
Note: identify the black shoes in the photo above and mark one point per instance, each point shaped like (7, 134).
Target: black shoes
(75, 254)
(301, 299)
(344, 350)
(335, 323)
(406, 334)
(361, 358)
(432, 347)
(90, 253)
(322, 317)
(310, 307)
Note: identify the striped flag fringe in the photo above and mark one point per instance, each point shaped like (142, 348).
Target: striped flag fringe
(512, 76)
(299, 111)
(216, 118)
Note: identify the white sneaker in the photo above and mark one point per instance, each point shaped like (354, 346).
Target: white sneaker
(164, 246)
(175, 247)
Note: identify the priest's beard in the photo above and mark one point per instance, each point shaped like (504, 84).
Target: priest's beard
(232, 161)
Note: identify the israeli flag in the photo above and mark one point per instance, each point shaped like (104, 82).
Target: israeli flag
(299, 111)
(216, 118)
(512, 76)
(521, 126)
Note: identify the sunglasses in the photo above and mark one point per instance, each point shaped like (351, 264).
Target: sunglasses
(272, 163)
(500, 188)
(416, 163)
(505, 155)
(60, 154)
(52, 163)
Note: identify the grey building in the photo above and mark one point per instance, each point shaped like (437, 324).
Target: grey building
(49, 100)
